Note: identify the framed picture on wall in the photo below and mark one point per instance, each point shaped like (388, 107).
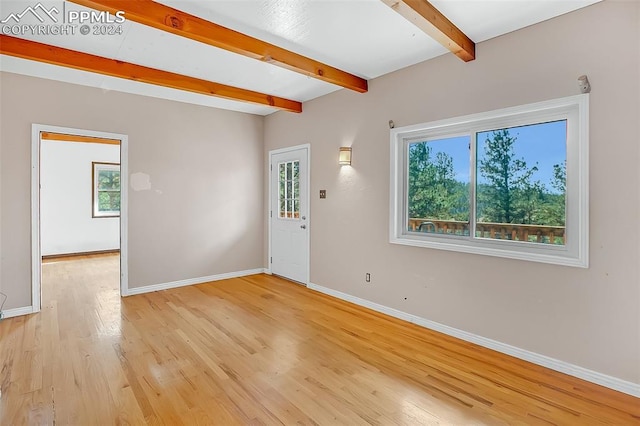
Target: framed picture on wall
(105, 189)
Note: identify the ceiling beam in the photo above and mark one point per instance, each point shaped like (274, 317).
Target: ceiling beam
(35, 51)
(64, 137)
(429, 19)
(165, 18)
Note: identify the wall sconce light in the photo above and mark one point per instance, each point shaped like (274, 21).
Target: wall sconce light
(345, 156)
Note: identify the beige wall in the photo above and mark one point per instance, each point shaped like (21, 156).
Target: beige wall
(587, 317)
(202, 215)
(197, 220)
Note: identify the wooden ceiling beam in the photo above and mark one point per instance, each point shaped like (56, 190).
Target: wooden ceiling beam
(429, 19)
(174, 21)
(35, 51)
(65, 137)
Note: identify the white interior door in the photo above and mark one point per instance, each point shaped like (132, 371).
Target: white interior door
(289, 213)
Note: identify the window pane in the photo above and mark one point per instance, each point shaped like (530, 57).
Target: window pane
(438, 190)
(289, 189)
(282, 195)
(296, 208)
(109, 180)
(109, 201)
(106, 189)
(521, 183)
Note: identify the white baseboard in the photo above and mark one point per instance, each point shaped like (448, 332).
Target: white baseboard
(542, 360)
(192, 281)
(10, 313)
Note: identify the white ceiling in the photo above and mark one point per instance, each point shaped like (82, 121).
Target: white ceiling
(362, 37)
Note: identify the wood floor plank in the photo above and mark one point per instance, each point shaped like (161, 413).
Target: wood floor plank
(261, 350)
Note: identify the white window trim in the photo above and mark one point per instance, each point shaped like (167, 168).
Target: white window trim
(575, 253)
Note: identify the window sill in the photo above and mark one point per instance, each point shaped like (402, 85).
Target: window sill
(504, 249)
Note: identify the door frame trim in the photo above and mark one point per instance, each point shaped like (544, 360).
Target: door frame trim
(273, 152)
(36, 252)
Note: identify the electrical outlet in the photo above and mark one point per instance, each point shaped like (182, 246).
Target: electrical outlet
(323, 193)
(367, 277)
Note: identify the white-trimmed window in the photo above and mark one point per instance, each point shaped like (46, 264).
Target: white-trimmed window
(510, 183)
(106, 189)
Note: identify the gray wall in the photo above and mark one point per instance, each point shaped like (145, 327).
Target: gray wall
(203, 213)
(588, 317)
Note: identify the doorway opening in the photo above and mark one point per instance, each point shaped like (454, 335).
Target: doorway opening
(79, 212)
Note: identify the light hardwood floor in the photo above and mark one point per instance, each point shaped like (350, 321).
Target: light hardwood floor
(261, 350)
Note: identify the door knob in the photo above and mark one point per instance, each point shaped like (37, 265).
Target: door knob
(303, 226)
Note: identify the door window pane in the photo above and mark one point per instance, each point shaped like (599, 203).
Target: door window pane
(289, 189)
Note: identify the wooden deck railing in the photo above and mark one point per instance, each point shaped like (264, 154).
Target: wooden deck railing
(501, 231)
